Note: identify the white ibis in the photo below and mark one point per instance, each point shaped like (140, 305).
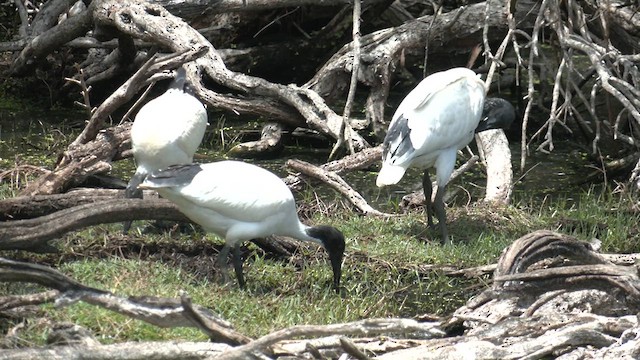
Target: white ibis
(239, 202)
(434, 121)
(167, 131)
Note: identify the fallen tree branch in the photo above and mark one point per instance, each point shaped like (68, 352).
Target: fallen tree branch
(161, 312)
(15, 301)
(360, 160)
(152, 350)
(362, 327)
(35, 234)
(335, 181)
(27, 207)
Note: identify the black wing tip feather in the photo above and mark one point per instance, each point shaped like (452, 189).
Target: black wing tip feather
(175, 175)
(399, 129)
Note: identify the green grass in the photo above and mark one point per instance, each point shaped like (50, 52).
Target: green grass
(385, 268)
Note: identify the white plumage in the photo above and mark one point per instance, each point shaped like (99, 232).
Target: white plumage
(167, 131)
(434, 121)
(239, 202)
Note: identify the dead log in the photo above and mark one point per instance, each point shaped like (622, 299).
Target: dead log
(552, 295)
(152, 350)
(335, 181)
(494, 150)
(362, 327)
(45, 38)
(35, 234)
(269, 145)
(541, 343)
(90, 158)
(161, 27)
(157, 311)
(28, 207)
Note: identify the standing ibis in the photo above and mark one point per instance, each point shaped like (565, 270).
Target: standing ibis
(434, 121)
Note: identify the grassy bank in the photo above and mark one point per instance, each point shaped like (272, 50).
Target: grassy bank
(392, 266)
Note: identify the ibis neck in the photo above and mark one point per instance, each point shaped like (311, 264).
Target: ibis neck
(302, 233)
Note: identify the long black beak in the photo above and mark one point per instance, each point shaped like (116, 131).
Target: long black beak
(336, 265)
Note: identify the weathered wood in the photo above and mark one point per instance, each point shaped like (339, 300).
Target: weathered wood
(362, 327)
(360, 160)
(161, 312)
(494, 150)
(165, 29)
(16, 301)
(335, 181)
(269, 145)
(27, 207)
(49, 38)
(93, 157)
(153, 350)
(515, 320)
(35, 234)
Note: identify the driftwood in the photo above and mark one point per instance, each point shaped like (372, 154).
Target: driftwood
(269, 145)
(335, 181)
(360, 160)
(157, 311)
(28, 207)
(130, 350)
(35, 234)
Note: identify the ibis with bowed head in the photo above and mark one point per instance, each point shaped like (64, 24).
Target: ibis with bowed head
(434, 121)
(239, 202)
(166, 131)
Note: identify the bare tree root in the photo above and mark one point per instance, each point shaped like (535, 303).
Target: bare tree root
(335, 181)
(597, 69)
(35, 234)
(157, 311)
(551, 295)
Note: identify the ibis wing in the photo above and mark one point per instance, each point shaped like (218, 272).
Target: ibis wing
(232, 189)
(440, 113)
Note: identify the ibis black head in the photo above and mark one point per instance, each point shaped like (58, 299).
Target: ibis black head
(497, 113)
(333, 241)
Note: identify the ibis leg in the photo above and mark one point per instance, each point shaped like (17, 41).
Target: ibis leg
(441, 214)
(426, 186)
(131, 192)
(221, 261)
(237, 265)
